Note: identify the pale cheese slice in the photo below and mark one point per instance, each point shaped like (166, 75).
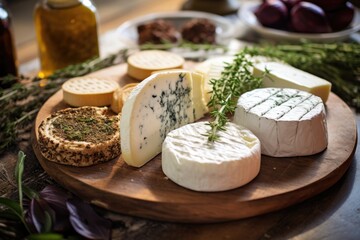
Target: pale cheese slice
(191, 161)
(211, 69)
(159, 104)
(285, 76)
(142, 64)
(89, 91)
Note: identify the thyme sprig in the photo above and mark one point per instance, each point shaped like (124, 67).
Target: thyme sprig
(235, 79)
(338, 63)
(22, 97)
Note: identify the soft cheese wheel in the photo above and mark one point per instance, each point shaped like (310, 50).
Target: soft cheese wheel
(159, 104)
(288, 122)
(191, 161)
(89, 91)
(142, 64)
(64, 136)
(284, 76)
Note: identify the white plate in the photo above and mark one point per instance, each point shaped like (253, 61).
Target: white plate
(247, 15)
(127, 32)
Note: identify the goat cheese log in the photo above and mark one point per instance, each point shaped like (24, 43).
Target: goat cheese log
(80, 136)
(288, 122)
(191, 161)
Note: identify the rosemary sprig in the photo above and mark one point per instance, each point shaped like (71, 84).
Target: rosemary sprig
(24, 96)
(338, 63)
(235, 79)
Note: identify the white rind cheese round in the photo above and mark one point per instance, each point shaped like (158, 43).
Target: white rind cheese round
(192, 162)
(89, 91)
(288, 122)
(142, 64)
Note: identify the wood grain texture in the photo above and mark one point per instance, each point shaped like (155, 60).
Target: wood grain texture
(146, 192)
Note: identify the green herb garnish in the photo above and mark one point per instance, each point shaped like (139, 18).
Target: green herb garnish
(23, 96)
(235, 79)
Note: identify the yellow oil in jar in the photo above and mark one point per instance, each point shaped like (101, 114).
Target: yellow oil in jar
(66, 32)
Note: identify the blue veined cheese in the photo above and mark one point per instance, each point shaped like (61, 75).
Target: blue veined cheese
(288, 122)
(189, 160)
(159, 104)
(200, 104)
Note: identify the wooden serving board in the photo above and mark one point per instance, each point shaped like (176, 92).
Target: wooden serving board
(146, 192)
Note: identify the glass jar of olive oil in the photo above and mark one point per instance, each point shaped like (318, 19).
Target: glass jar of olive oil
(66, 32)
(8, 63)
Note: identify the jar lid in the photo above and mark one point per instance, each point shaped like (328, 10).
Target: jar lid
(62, 3)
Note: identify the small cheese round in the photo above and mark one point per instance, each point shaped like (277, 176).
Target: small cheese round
(80, 136)
(89, 91)
(117, 103)
(288, 122)
(191, 161)
(142, 64)
(120, 96)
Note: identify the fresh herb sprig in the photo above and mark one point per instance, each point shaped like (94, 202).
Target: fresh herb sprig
(235, 79)
(49, 214)
(339, 63)
(23, 96)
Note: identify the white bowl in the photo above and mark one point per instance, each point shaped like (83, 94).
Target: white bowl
(246, 14)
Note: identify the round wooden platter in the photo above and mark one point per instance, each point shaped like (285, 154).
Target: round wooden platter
(147, 192)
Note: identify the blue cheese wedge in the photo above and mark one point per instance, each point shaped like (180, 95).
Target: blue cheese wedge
(189, 160)
(288, 122)
(159, 104)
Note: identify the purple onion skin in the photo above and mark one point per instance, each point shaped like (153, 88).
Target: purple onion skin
(342, 17)
(272, 13)
(290, 3)
(307, 17)
(328, 5)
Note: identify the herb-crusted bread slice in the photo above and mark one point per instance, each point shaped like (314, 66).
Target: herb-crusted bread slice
(80, 136)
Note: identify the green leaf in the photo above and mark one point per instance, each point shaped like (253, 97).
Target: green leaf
(8, 214)
(48, 222)
(18, 176)
(13, 206)
(30, 193)
(45, 236)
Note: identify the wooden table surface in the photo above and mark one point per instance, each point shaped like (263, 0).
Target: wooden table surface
(333, 214)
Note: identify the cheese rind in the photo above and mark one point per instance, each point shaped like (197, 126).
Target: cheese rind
(191, 161)
(288, 122)
(285, 76)
(159, 104)
(89, 91)
(211, 69)
(142, 64)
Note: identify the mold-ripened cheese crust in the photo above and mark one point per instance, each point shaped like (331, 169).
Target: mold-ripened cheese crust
(288, 122)
(78, 153)
(192, 162)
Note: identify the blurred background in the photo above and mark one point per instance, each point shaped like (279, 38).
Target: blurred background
(22, 12)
